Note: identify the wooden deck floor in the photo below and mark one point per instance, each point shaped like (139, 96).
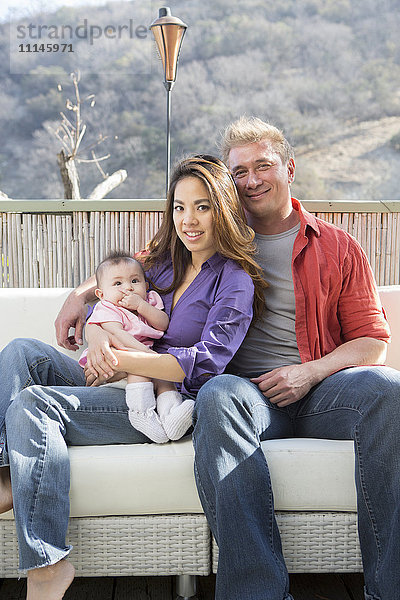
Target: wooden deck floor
(346, 586)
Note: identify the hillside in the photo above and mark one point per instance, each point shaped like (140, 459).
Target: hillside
(326, 71)
(357, 163)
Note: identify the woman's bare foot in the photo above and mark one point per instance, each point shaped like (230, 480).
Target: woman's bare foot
(6, 501)
(50, 583)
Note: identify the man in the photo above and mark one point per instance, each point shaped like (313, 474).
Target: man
(301, 374)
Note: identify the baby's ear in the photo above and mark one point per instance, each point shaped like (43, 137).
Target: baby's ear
(147, 286)
(98, 293)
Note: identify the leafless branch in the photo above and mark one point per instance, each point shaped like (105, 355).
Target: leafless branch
(70, 133)
(108, 184)
(93, 160)
(98, 165)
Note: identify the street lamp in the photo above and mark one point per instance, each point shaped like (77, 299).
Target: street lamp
(168, 32)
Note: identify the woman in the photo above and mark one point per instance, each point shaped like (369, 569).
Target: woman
(201, 263)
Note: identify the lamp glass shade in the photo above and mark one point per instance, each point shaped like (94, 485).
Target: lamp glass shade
(169, 38)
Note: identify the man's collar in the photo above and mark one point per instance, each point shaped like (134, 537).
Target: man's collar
(306, 218)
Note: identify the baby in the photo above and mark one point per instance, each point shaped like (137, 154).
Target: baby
(135, 317)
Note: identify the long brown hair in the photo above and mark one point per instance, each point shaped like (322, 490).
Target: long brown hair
(234, 239)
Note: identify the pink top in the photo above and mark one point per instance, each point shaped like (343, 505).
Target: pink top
(105, 311)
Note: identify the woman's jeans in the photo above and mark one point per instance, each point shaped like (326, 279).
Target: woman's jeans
(40, 422)
(232, 417)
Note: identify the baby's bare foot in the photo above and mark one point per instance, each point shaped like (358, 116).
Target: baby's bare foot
(6, 501)
(50, 583)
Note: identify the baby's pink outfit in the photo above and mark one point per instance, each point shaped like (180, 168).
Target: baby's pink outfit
(105, 311)
(175, 414)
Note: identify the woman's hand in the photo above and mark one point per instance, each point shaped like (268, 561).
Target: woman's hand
(92, 381)
(101, 360)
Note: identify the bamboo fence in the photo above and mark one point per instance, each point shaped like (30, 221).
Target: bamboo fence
(49, 250)
(379, 235)
(62, 250)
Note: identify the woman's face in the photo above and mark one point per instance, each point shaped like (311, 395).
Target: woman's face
(193, 218)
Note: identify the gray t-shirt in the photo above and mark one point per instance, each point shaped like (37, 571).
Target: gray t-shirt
(271, 341)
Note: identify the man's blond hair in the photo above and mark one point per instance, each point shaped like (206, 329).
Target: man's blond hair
(247, 130)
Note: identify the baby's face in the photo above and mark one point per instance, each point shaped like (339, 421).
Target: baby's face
(121, 279)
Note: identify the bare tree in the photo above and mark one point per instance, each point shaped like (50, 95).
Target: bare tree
(70, 133)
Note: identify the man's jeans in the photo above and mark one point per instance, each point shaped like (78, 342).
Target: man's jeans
(232, 417)
(40, 421)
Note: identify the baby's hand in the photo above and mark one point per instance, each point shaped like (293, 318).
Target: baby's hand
(131, 301)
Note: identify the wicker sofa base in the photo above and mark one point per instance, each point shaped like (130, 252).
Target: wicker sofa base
(134, 545)
(315, 542)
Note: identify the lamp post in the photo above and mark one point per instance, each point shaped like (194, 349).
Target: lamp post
(168, 33)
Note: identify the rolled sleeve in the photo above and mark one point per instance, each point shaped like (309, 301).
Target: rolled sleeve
(155, 300)
(224, 331)
(360, 310)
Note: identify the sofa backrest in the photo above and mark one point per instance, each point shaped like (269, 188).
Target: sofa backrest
(31, 312)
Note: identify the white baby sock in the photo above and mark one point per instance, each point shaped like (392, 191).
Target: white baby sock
(142, 415)
(166, 401)
(176, 416)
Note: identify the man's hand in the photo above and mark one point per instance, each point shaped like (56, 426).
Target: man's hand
(71, 315)
(131, 301)
(287, 385)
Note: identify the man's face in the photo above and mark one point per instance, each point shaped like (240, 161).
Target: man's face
(262, 181)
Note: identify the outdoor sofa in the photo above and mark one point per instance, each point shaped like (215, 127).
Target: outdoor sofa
(135, 509)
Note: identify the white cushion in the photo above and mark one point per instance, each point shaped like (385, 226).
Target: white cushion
(306, 474)
(312, 474)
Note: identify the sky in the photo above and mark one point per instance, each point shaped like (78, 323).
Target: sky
(18, 8)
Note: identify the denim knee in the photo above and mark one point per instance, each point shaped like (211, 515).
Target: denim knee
(14, 347)
(25, 348)
(29, 403)
(377, 387)
(22, 402)
(17, 344)
(378, 376)
(217, 395)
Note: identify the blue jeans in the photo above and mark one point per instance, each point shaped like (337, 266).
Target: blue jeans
(38, 422)
(232, 417)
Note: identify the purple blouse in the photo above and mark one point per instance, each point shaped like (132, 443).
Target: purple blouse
(209, 321)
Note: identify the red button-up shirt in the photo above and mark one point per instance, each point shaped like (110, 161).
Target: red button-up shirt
(335, 290)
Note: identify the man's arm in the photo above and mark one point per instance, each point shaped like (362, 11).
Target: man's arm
(286, 385)
(73, 315)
